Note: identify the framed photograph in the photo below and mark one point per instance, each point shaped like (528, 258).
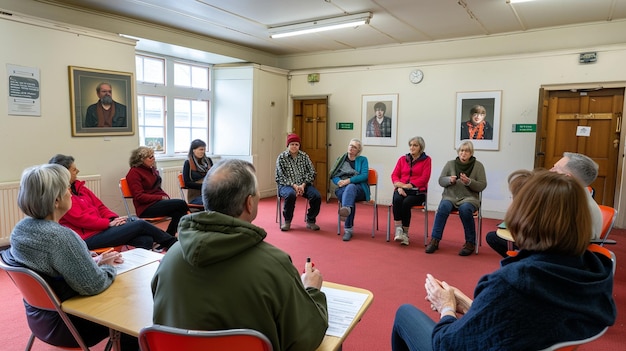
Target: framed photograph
(478, 119)
(380, 119)
(101, 102)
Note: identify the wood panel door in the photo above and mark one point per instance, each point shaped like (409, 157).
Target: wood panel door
(568, 116)
(310, 122)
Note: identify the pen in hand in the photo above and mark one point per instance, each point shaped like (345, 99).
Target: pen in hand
(308, 266)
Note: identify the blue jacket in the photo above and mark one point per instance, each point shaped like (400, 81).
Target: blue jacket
(361, 166)
(533, 301)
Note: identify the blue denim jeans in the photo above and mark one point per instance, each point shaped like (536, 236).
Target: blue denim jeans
(348, 195)
(466, 212)
(289, 194)
(412, 330)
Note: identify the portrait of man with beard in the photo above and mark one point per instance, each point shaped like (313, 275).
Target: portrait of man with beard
(105, 113)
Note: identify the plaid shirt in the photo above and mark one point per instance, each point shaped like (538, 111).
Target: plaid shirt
(384, 129)
(296, 170)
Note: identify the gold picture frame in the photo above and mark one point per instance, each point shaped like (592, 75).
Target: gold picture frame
(86, 120)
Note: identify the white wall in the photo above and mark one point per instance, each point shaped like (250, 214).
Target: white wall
(26, 141)
(428, 109)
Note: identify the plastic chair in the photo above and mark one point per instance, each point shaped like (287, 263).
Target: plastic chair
(128, 196)
(182, 187)
(573, 345)
(372, 181)
(162, 338)
(423, 208)
(609, 214)
(37, 293)
(478, 217)
(279, 206)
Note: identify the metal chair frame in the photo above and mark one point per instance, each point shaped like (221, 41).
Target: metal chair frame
(182, 187)
(423, 208)
(279, 206)
(478, 216)
(127, 195)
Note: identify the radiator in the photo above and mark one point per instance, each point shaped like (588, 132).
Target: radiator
(10, 214)
(170, 181)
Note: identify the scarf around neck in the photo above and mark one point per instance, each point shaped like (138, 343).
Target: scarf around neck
(466, 168)
(476, 131)
(203, 165)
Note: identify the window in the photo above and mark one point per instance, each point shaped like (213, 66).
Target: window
(173, 103)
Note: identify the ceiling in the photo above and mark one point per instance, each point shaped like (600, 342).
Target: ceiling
(394, 22)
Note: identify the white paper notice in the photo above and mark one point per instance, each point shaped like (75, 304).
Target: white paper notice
(583, 131)
(343, 307)
(136, 258)
(24, 91)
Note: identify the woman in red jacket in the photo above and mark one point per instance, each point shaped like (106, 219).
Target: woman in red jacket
(149, 199)
(100, 227)
(410, 180)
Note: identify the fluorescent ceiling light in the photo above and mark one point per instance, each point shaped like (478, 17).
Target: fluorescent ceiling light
(320, 25)
(517, 1)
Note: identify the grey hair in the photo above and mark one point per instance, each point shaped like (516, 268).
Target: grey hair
(40, 187)
(360, 145)
(468, 144)
(420, 141)
(227, 186)
(100, 86)
(582, 167)
(63, 160)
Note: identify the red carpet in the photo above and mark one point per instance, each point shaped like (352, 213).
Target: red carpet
(394, 274)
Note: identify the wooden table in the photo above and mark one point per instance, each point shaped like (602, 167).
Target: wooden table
(126, 306)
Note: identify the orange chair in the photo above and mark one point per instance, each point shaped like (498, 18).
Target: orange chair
(372, 181)
(609, 214)
(162, 338)
(182, 186)
(37, 293)
(128, 196)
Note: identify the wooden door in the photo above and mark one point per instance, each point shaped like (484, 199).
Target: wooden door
(566, 115)
(310, 123)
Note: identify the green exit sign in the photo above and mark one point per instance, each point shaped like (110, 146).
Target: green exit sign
(524, 128)
(345, 125)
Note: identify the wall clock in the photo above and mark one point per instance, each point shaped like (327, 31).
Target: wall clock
(416, 76)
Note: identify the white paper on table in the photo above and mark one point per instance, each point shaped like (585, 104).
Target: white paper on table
(343, 307)
(136, 258)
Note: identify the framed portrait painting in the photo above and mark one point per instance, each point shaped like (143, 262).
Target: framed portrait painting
(478, 119)
(379, 119)
(101, 102)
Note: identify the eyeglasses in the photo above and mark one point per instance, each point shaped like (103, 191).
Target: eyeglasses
(151, 156)
(354, 146)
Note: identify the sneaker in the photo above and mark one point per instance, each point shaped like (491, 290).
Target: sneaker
(432, 246)
(405, 240)
(347, 234)
(345, 211)
(467, 249)
(158, 248)
(312, 226)
(286, 226)
(399, 234)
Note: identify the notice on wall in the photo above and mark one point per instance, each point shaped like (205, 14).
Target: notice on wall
(24, 91)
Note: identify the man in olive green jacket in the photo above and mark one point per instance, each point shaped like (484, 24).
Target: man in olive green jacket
(222, 275)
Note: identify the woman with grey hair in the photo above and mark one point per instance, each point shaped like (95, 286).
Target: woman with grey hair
(149, 198)
(462, 180)
(40, 243)
(410, 181)
(100, 227)
(350, 174)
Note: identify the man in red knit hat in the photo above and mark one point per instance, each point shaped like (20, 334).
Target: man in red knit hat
(294, 177)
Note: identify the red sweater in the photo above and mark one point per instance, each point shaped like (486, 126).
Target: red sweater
(88, 215)
(416, 172)
(145, 186)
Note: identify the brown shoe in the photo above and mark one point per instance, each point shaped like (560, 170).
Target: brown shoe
(467, 249)
(433, 246)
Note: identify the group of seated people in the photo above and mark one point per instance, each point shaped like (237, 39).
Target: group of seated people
(551, 224)
(462, 180)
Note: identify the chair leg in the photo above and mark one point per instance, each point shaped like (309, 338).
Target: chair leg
(29, 345)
